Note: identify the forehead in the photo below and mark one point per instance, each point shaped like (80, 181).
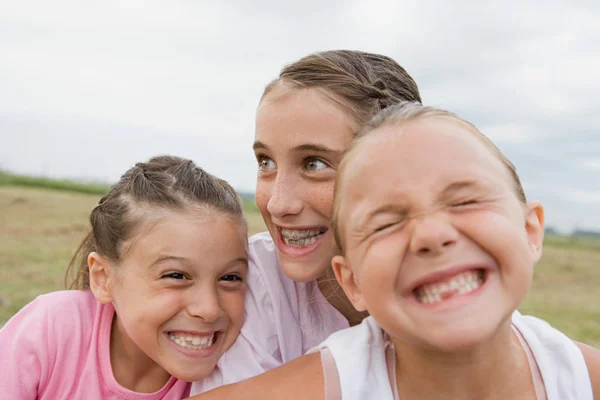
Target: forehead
(296, 116)
(188, 231)
(421, 156)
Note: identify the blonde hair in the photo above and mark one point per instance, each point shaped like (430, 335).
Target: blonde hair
(402, 114)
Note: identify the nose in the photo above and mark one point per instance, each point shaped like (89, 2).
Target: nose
(204, 303)
(432, 235)
(286, 196)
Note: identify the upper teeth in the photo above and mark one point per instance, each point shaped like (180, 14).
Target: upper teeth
(459, 284)
(192, 341)
(300, 234)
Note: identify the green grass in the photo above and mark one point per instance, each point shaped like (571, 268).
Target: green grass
(57, 184)
(571, 242)
(40, 228)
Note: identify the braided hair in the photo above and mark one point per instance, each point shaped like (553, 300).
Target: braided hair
(164, 182)
(362, 83)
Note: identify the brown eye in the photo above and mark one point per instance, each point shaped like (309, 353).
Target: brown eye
(315, 164)
(174, 275)
(265, 163)
(232, 278)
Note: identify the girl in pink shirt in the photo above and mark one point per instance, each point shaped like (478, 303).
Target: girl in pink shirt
(161, 279)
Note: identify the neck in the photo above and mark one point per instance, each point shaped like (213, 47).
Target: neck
(487, 371)
(132, 368)
(333, 292)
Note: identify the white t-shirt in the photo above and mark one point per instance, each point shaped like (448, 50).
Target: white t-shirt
(362, 356)
(284, 319)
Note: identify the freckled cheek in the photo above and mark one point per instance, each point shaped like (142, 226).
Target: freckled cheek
(321, 198)
(262, 196)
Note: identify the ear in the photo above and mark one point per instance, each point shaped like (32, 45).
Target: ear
(534, 226)
(99, 277)
(347, 280)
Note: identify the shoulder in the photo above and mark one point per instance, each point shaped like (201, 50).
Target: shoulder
(592, 360)
(40, 335)
(62, 305)
(69, 307)
(55, 319)
(562, 362)
(69, 299)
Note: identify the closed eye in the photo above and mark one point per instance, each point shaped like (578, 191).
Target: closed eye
(382, 227)
(464, 203)
(387, 225)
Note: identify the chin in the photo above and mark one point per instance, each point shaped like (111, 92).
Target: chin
(193, 376)
(301, 271)
(462, 339)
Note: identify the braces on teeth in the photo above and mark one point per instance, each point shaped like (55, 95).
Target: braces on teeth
(300, 238)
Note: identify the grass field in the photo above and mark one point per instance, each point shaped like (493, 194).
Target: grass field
(41, 227)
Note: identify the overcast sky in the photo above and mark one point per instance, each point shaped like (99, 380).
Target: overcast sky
(89, 88)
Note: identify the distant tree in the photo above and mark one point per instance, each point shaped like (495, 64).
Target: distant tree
(586, 233)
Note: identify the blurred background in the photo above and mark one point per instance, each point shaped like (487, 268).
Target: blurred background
(89, 88)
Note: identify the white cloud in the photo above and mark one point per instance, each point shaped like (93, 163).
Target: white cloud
(592, 164)
(509, 132)
(583, 196)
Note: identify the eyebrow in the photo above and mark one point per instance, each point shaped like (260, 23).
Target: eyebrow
(466, 184)
(239, 260)
(319, 148)
(162, 258)
(387, 208)
(259, 145)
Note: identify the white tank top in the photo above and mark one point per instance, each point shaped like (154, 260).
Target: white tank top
(362, 356)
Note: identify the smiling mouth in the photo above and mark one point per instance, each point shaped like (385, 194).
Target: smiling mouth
(194, 342)
(301, 237)
(457, 285)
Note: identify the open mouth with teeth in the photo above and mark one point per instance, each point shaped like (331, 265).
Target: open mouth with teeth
(457, 285)
(191, 341)
(301, 238)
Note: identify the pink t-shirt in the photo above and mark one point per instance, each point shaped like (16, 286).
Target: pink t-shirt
(58, 347)
(284, 319)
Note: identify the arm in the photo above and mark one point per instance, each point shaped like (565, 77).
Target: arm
(299, 379)
(592, 359)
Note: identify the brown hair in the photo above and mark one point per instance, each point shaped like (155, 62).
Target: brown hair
(362, 83)
(402, 114)
(162, 183)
